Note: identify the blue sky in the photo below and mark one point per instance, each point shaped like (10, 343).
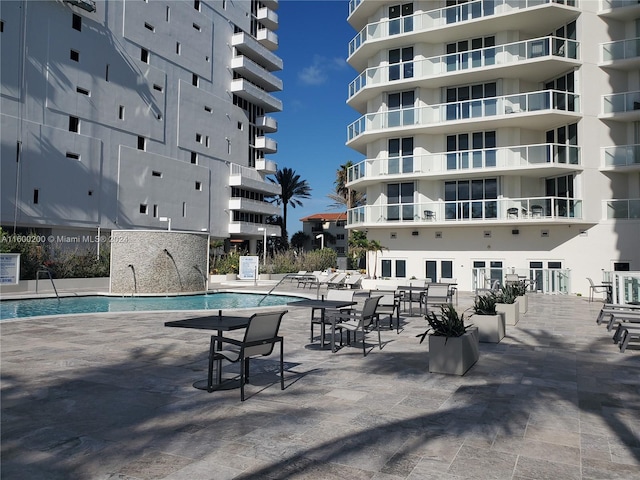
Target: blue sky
(313, 44)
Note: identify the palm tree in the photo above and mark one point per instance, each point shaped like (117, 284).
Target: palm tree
(293, 189)
(375, 247)
(360, 246)
(344, 197)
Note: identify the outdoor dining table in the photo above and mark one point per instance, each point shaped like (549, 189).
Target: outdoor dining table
(407, 295)
(323, 305)
(220, 323)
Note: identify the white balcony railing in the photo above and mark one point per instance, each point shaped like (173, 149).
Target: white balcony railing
(541, 280)
(511, 53)
(621, 156)
(480, 211)
(625, 209)
(621, 50)
(446, 16)
(521, 156)
(621, 102)
(478, 108)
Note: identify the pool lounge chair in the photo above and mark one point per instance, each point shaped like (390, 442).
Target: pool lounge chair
(353, 281)
(337, 281)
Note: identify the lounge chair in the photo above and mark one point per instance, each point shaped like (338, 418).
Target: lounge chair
(353, 281)
(337, 281)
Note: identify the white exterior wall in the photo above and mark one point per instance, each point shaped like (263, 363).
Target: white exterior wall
(127, 99)
(585, 244)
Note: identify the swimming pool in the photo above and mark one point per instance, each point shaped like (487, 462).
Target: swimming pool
(100, 304)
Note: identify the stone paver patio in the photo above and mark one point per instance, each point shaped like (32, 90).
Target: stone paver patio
(110, 396)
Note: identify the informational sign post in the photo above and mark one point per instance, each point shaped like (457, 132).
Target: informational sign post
(10, 268)
(248, 268)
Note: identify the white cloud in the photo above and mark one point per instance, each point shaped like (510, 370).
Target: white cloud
(320, 69)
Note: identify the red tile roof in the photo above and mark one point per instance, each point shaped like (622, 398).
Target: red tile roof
(325, 217)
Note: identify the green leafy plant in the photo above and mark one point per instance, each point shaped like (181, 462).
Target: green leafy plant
(447, 323)
(485, 304)
(520, 288)
(507, 294)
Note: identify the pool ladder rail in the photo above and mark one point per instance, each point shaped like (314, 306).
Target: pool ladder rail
(48, 272)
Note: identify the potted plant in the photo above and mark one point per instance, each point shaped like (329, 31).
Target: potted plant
(490, 323)
(507, 303)
(520, 289)
(453, 346)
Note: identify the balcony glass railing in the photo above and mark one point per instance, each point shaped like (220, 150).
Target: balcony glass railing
(446, 16)
(625, 287)
(477, 108)
(436, 66)
(623, 209)
(481, 210)
(621, 102)
(621, 50)
(621, 156)
(609, 4)
(541, 280)
(464, 160)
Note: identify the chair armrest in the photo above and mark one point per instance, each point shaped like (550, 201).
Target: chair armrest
(222, 339)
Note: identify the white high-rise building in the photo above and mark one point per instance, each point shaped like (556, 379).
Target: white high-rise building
(500, 136)
(139, 114)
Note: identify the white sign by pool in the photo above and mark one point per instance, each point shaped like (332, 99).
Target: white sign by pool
(10, 268)
(248, 267)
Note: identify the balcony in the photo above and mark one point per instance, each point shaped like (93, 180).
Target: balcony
(504, 211)
(455, 22)
(619, 9)
(266, 144)
(88, 5)
(268, 39)
(267, 124)
(256, 74)
(272, 4)
(247, 90)
(621, 157)
(539, 110)
(623, 107)
(250, 178)
(266, 166)
(253, 229)
(250, 47)
(536, 60)
(523, 160)
(626, 209)
(254, 206)
(268, 18)
(621, 55)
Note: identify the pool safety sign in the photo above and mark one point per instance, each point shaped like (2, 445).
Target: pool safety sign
(10, 268)
(248, 267)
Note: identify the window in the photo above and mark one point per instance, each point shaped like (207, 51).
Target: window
(184, 209)
(155, 211)
(400, 201)
(36, 196)
(560, 189)
(432, 272)
(121, 112)
(196, 4)
(142, 143)
(148, 26)
(144, 55)
(400, 18)
(157, 87)
(74, 124)
(401, 268)
(400, 153)
(83, 91)
(400, 106)
(471, 199)
(471, 101)
(167, 15)
(76, 22)
(400, 63)
(480, 153)
(106, 73)
(75, 56)
(1, 26)
(178, 48)
(340, 236)
(144, 209)
(73, 156)
(197, 27)
(206, 141)
(195, 80)
(199, 137)
(564, 148)
(470, 53)
(208, 109)
(194, 158)
(199, 186)
(239, 125)
(155, 173)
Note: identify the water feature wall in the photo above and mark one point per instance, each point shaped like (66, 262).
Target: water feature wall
(158, 262)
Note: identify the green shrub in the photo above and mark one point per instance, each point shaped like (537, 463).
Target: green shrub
(485, 304)
(448, 323)
(507, 294)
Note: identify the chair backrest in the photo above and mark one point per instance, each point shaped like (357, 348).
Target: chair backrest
(339, 294)
(590, 282)
(438, 293)
(353, 279)
(387, 299)
(369, 310)
(263, 327)
(337, 279)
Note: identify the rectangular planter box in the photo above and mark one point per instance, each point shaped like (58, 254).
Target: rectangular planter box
(491, 328)
(453, 355)
(511, 312)
(524, 303)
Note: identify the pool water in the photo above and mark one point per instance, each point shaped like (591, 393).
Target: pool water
(100, 304)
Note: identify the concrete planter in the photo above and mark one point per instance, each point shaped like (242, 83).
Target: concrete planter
(453, 355)
(491, 328)
(511, 312)
(523, 300)
(231, 276)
